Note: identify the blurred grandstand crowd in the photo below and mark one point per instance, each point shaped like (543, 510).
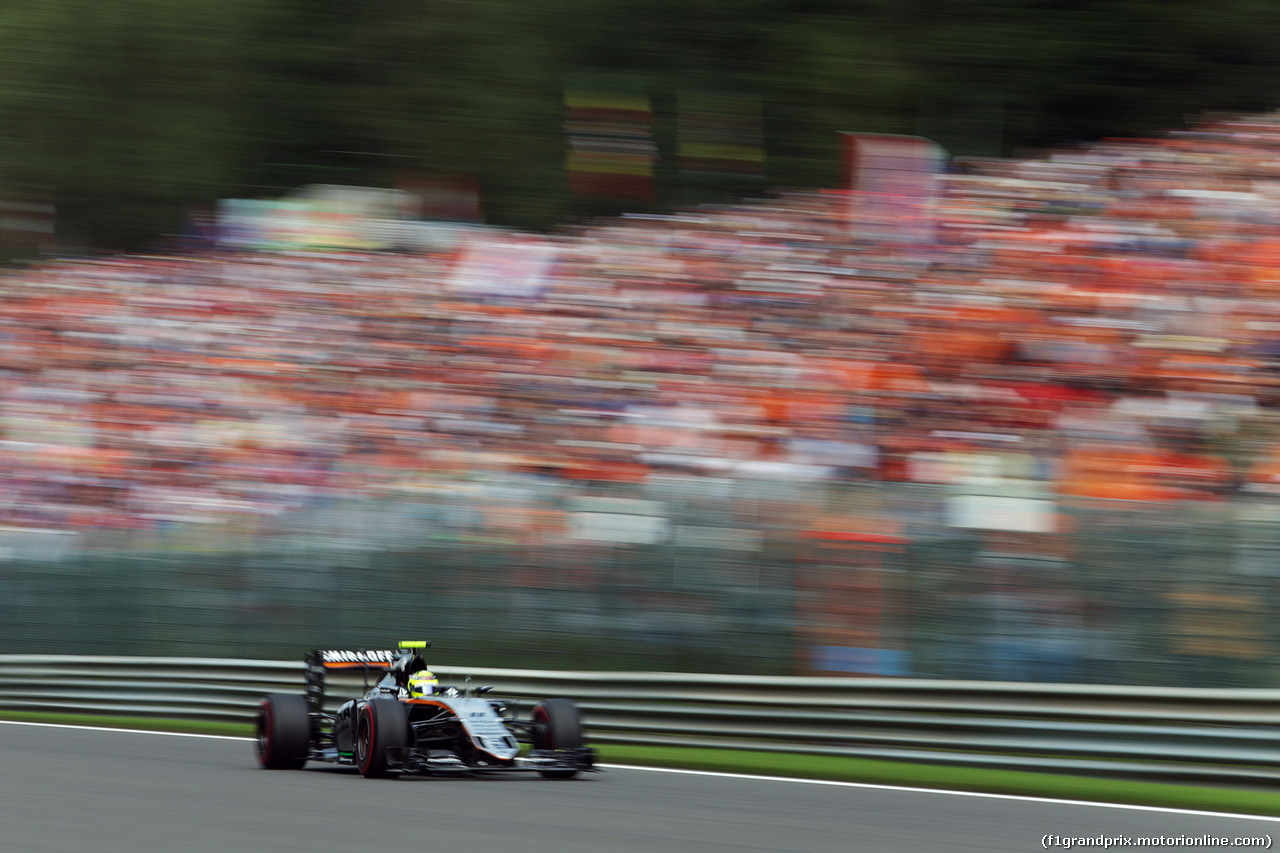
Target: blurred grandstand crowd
(1104, 321)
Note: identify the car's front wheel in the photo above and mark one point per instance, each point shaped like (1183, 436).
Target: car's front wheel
(282, 732)
(381, 724)
(557, 725)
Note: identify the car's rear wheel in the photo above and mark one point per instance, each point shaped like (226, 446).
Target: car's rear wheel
(380, 725)
(557, 725)
(282, 732)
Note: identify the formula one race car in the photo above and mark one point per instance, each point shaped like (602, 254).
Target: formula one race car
(409, 723)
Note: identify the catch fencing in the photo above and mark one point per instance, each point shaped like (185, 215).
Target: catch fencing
(1188, 734)
(754, 582)
(753, 578)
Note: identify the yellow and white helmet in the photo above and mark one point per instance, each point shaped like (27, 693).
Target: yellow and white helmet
(423, 683)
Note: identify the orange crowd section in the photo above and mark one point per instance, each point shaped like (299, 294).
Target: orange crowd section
(1103, 320)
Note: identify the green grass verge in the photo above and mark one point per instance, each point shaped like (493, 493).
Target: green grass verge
(148, 724)
(1058, 786)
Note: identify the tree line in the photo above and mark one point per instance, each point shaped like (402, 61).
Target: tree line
(136, 109)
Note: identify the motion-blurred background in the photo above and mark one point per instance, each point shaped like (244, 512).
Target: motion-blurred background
(915, 339)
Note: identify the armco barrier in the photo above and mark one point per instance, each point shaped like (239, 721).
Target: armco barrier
(1211, 734)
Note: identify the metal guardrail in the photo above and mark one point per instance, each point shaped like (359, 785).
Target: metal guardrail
(1191, 733)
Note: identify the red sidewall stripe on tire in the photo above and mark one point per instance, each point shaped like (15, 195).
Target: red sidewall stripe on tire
(540, 714)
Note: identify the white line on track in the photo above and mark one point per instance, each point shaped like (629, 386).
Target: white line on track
(128, 731)
(979, 794)
(756, 777)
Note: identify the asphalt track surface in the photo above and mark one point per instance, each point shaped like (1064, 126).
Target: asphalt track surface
(66, 789)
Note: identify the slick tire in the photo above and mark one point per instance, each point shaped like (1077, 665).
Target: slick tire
(282, 732)
(381, 724)
(557, 725)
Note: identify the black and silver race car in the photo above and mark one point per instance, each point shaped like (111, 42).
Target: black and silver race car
(390, 729)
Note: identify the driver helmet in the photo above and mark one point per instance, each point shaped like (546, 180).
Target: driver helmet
(422, 683)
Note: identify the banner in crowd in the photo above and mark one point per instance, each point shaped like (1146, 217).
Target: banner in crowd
(720, 135)
(317, 216)
(609, 132)
(270, 225)
(893, 182)
(507, 266)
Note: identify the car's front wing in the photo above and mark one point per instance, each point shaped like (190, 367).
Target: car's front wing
(446, 762)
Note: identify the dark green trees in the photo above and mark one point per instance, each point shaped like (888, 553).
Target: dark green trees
(134, 109)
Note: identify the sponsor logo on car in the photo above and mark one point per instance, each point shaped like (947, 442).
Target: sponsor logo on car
(363, 656)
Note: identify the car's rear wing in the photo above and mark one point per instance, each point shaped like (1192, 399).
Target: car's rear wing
(352, 659)
(320, 661)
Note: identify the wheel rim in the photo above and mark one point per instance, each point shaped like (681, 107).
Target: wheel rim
(542, 731)
(264, 733)
(362, 743)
